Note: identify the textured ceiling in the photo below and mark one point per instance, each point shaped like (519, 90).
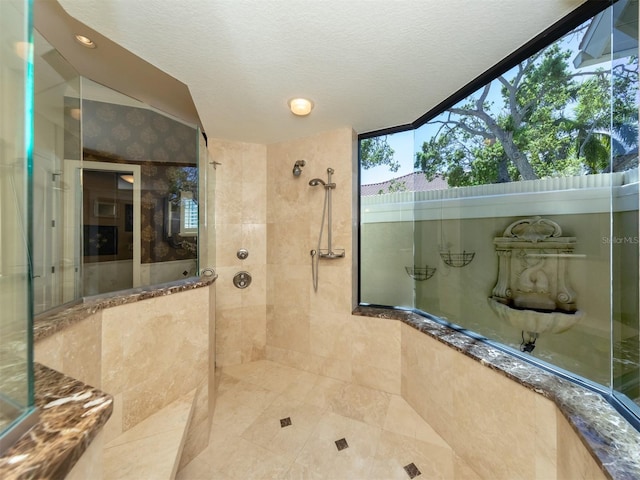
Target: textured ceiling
(368, 64)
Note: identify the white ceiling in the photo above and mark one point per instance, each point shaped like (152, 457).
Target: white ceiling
(368, 64)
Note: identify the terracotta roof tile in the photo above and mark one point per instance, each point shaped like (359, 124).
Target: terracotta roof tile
(413, 182)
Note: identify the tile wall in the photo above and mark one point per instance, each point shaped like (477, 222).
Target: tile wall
(312, 329)
(496, 425)
(240, 222)
(146, 354)
(263, 207)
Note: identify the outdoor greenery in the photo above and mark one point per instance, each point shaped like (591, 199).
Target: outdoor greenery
(376, 151)
(543, 118)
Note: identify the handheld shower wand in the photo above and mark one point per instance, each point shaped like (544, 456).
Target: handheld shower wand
(326, 211)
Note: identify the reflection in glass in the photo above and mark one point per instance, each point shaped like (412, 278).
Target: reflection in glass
(16, 143)
(56, 258)
(147, 234)
(106, 167)
(624, 240)
(534, 177)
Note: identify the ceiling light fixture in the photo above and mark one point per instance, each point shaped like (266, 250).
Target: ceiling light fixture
(23, 49)
(84, 41)
(300, 106)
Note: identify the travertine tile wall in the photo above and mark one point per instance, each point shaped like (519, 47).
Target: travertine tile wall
(90, 464)
(262, 206)
(154, 351)
(75, 351)
(311, 329)
(240, 222)
(574, 461)
(146, 354)
(495, 425)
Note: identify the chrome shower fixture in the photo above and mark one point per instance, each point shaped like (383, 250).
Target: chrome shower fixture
(329, 252)
(328, 184)
(316, 181)
(297, 167)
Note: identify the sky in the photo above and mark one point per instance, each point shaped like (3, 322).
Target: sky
(405, 144)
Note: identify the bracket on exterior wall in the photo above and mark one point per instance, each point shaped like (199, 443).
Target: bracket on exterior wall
(420, 273)
(457, 259)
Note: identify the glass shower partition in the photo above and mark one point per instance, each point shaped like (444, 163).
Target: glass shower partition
(57, 136)
(388, 262)
(139, 220)
(523, 230)
(623, 241)
(17, 411)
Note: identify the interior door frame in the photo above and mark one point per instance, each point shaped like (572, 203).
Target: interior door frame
(47, 290)
(73, 215)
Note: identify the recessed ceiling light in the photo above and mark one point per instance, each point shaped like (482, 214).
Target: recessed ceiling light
(23, 49)
(84, 41)
(300, 106)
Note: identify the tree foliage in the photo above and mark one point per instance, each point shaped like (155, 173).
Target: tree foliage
(376, 151)
(546, 119)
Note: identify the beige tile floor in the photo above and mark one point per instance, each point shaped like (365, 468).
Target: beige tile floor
(384, 434)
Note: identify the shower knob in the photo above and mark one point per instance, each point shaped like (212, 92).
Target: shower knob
(242, 279)
(242, 253)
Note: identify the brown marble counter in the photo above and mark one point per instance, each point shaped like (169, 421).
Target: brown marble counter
(613, 442)
(71, 414)
(49, 323)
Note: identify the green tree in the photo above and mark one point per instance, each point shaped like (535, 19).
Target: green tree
(376, 151)
(547, 120)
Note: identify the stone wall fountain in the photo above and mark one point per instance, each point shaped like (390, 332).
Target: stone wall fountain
(533, 291)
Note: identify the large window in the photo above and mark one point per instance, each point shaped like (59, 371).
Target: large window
(512, 210)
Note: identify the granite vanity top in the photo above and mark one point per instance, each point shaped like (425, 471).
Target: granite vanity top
(49, 323)
(613, 442)
(70, 415)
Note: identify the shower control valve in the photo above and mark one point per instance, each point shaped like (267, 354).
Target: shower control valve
(242, 253)
(242, 279)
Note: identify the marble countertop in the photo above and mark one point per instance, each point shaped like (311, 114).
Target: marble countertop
(48, 323)
(613, 442)
(70, 415)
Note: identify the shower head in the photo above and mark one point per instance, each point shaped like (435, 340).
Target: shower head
(297, 167)
(316, 181)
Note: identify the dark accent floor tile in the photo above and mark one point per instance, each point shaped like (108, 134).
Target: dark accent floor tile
(285, 422)
(342, 444)
(412, 470)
